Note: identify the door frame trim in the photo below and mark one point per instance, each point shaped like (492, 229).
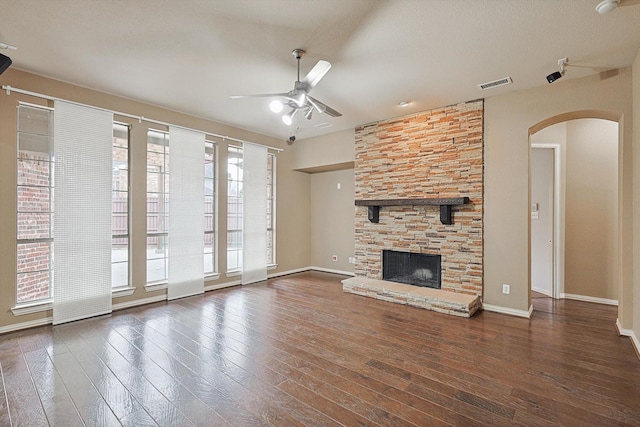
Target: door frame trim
(558, 223)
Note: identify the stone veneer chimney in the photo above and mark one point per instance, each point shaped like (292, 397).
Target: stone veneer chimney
(431, 154)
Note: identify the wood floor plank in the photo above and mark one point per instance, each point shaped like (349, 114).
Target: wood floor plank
(23, 402)
(86, 398)
(298, 351)
(242, 382)
(5, 418)
(56, 400)
(124, 405)
(467, 421)
(174, 379)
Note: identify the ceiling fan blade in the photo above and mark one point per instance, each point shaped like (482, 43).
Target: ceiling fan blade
(323, 108)
(263, 95)
(315, 75)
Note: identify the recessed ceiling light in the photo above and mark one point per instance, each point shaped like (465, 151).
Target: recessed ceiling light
(403, 103)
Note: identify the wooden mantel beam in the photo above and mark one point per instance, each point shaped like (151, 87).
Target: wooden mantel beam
(444, 203)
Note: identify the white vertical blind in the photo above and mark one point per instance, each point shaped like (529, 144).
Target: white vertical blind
(186, 213)
(82, 221)
(254, 233)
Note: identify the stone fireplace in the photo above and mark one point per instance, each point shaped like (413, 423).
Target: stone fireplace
(433, 156)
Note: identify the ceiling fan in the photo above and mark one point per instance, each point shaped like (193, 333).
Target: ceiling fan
(298, 99)
(607, 6)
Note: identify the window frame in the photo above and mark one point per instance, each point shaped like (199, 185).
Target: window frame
(121, 289)
(33, 305)
(271, 200)
(237, 215)
(164, 212)
(211, 147)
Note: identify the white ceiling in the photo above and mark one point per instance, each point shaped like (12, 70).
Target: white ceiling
(190, 56)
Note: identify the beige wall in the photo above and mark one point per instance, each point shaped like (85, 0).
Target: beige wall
(591, 208)
(327, 152)
(508, 119)
(332, 220)
(293, 200)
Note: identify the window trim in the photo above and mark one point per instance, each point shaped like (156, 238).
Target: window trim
(162, 175)
(27, 306)
(32, 307)
(273, 261)
(215, 274)
(118, 289)
(235, 271)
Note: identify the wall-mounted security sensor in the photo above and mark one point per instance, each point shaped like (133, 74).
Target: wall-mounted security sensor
(291, 140)
(562, 62)
(5, 61)
(554, 76)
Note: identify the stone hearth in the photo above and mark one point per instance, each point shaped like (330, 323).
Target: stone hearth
(455, 303)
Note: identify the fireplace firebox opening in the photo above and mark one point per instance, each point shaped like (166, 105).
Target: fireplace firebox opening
(412, 268)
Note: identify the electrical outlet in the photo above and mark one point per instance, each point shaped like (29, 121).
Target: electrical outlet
(352, 260)
(334, 258)
(506, 289)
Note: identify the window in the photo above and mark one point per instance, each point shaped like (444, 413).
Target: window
(210, 264)
(235, 206)
(120, 211)
(34, 205)
(157, 206)
(271, 200)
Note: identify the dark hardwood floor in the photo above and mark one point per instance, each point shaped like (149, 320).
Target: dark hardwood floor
(297, 351)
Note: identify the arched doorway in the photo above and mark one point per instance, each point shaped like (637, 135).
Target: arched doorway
(574, 199)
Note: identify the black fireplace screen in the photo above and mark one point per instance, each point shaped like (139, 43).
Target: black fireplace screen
(411, 268)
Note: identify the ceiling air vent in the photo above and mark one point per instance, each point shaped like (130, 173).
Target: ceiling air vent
(323, 125)
(496, 83)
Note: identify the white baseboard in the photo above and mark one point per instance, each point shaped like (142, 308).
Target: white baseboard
(222, 285)
(49, 320)
(26, 325)
(510, 311)
(586, 298)
(629, 333)
(541, 291)
(137, 302)
(286, 273)
(331, 270)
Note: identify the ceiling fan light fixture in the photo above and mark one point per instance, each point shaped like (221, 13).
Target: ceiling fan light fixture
(607, 6)
(276, 106)
(308, 114)
(287, 119)
(301, 100)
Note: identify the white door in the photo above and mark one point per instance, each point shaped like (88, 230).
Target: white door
(542, 220)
